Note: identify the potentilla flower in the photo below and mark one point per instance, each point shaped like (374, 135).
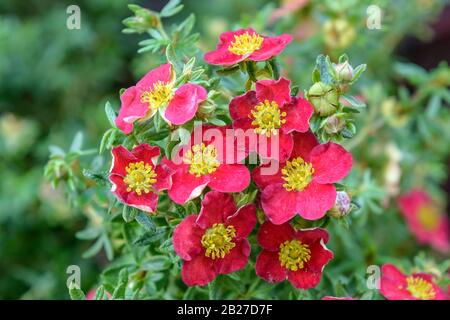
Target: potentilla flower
(297, 255)
(394, 285)
(204, 163)
(214, 241)
(155, 92)
(246, 44)
(304, 183)
(135, 177)
(425, 220)
(268, 115)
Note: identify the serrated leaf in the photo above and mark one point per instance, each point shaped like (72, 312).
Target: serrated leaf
(150, 237)
(145, 221)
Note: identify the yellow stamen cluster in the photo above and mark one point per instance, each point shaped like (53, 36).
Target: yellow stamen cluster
(297, 173)
(293, 255)
(218, 240)
(140, 177)
(245, 43)
(420, 288)
(160, 94)
(428, 217)
(202, 159)
(268, 118)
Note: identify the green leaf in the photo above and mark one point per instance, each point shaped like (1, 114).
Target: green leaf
(110, 114)
(88, 233)
(357, 72)
(150, 237)
(323, 65)
(77, 142)
(157, 263)
(145, 221)
(108, 247)
(94, 249)
(129, 213)
(354, 102)
(171, 8)
(76, 294)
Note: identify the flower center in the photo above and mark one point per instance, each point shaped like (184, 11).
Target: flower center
(420, 288)
(267, 118)
(428, 217)
(202, 159)
(218, 240)
(297, 174)
(140, 177)
(245, 43)
(160, 94)
(293, 255)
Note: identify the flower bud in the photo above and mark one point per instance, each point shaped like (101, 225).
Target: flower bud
(342, 205)
(344, 71)
(334, 125)
(324, 98)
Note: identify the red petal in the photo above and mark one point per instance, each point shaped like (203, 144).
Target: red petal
(186, 186)
(320, 256)
(199, 271)
(312, 235)
(315, 200)
(278, 204)
(303, 144)
(147, 202)
(131, 109)
(119, 188)
(222, 56)
(186, 238)
(304, 279)
(278, 91)
(184, 103)
(331, 162)
(230, 178)
(271, 236)
(163, 178)
(162, 73)
(271, 46)
(241, 106)
(267, 174)
(236, 259)
(216, 207)
(243, 221)
(269, 268)
(298, 114)
(393, 283)
(277, 147)
(147, 153)
(121, 157)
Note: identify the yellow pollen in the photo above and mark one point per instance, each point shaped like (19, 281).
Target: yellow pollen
(140, 177)
(420, 288)
(293, 255)
(297, 173)
(218, 240)
(267, 118)
(428, 217)
(245, 43)
(202, 159)
(158, 95)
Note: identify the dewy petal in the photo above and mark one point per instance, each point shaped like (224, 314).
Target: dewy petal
(269, 268)
(298, 114)
(131, 109)
(271, 46)
(199, 271)
(315, 200)
(262, 178)
(230, 178)
(236, 259)
(162, 73)
(278, 203)
(147, 153)
(187, 238)
(278, 91)
(216, 207)
(304, 279)
(303, 144)
(331, 162)
(271, 236)
(241, 106)
(147, 202)
(184, 103)
(186, 186)
(121, 157)
(243, 221)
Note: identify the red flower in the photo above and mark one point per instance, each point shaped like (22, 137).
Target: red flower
(424, 219)
(246, 44)
(299, 256)
(135, 177)
(156, 91)
(204, 163)
(271, 111)
(304, 184)
(214, 241)
(337, 298)
(394, 285)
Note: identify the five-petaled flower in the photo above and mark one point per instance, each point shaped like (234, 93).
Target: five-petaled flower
(214, 241)
(135, 177)
(270, 114)
(304, 183)
(425, 220)
(394, 285)
(297, 255)
(156, 92)
(246, 44)
(204, 163)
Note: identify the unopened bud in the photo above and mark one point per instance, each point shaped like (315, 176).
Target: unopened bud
(344, 71)
(334, 125)
(324, 98)
(342, 205)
